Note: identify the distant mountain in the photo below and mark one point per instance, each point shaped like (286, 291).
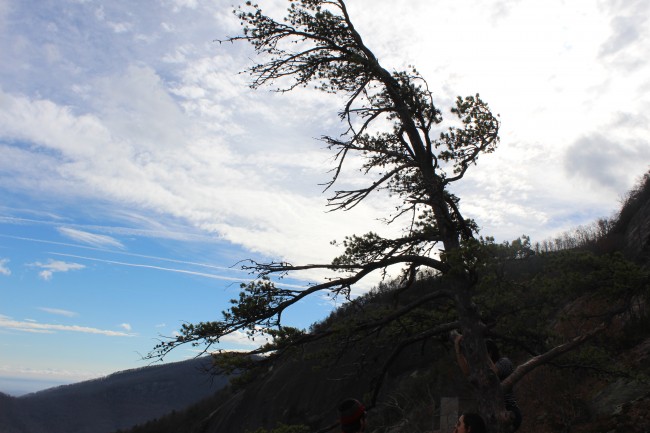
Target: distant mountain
(119, 401)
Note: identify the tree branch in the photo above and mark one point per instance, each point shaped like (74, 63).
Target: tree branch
(536, 361)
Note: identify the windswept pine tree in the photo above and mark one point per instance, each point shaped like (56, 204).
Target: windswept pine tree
(415, 161)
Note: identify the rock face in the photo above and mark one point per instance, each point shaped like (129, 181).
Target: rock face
(637, 235)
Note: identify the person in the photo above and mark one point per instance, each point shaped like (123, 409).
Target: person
(470, 423)
(352, 416)
(501, 365)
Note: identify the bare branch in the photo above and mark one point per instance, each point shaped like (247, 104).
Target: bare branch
(536, 361)
(438, 330)
(347, 200)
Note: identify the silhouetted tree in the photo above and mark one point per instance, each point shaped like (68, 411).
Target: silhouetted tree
(415, 160)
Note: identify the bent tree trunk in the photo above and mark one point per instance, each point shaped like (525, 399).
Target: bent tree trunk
(488, 391)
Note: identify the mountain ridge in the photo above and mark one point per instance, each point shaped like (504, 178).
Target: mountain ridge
(114, 402)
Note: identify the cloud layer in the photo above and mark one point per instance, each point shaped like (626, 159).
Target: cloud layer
(181, 137)
(48, 328)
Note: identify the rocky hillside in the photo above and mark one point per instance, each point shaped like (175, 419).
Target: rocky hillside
(637, 228)
(603, 388)
(118, 401)
(302, 390)
(299, 390)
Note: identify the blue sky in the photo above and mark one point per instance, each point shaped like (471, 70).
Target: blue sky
(137, 168)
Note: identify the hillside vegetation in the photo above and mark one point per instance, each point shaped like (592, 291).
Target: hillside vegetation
(532, 296)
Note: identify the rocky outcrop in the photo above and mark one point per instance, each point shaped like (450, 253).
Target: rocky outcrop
(637, 235)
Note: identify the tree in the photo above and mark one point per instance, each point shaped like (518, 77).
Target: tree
(416, 161)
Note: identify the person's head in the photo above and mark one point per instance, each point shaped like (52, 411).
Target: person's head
(470, 423)
(492, 350)
(352, 416)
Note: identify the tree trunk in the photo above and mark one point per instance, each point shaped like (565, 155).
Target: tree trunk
(483, 379)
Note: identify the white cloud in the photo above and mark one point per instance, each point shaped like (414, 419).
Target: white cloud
(212, 186)
(184, 139)
(90, 238)
(48, 373)
(239, 340)
(4, 269)
(126, 327)
(119, 27)
(179, 4)
(25, 326)
(166, 158)
(51, 126)
(53, 266)
(58, 311)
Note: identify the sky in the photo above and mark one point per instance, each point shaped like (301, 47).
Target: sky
(137, 168)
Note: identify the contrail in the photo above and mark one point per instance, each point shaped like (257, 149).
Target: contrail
(160, 268)
(105, 250)
(140, 265)
(144, 256)
(107, 229)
